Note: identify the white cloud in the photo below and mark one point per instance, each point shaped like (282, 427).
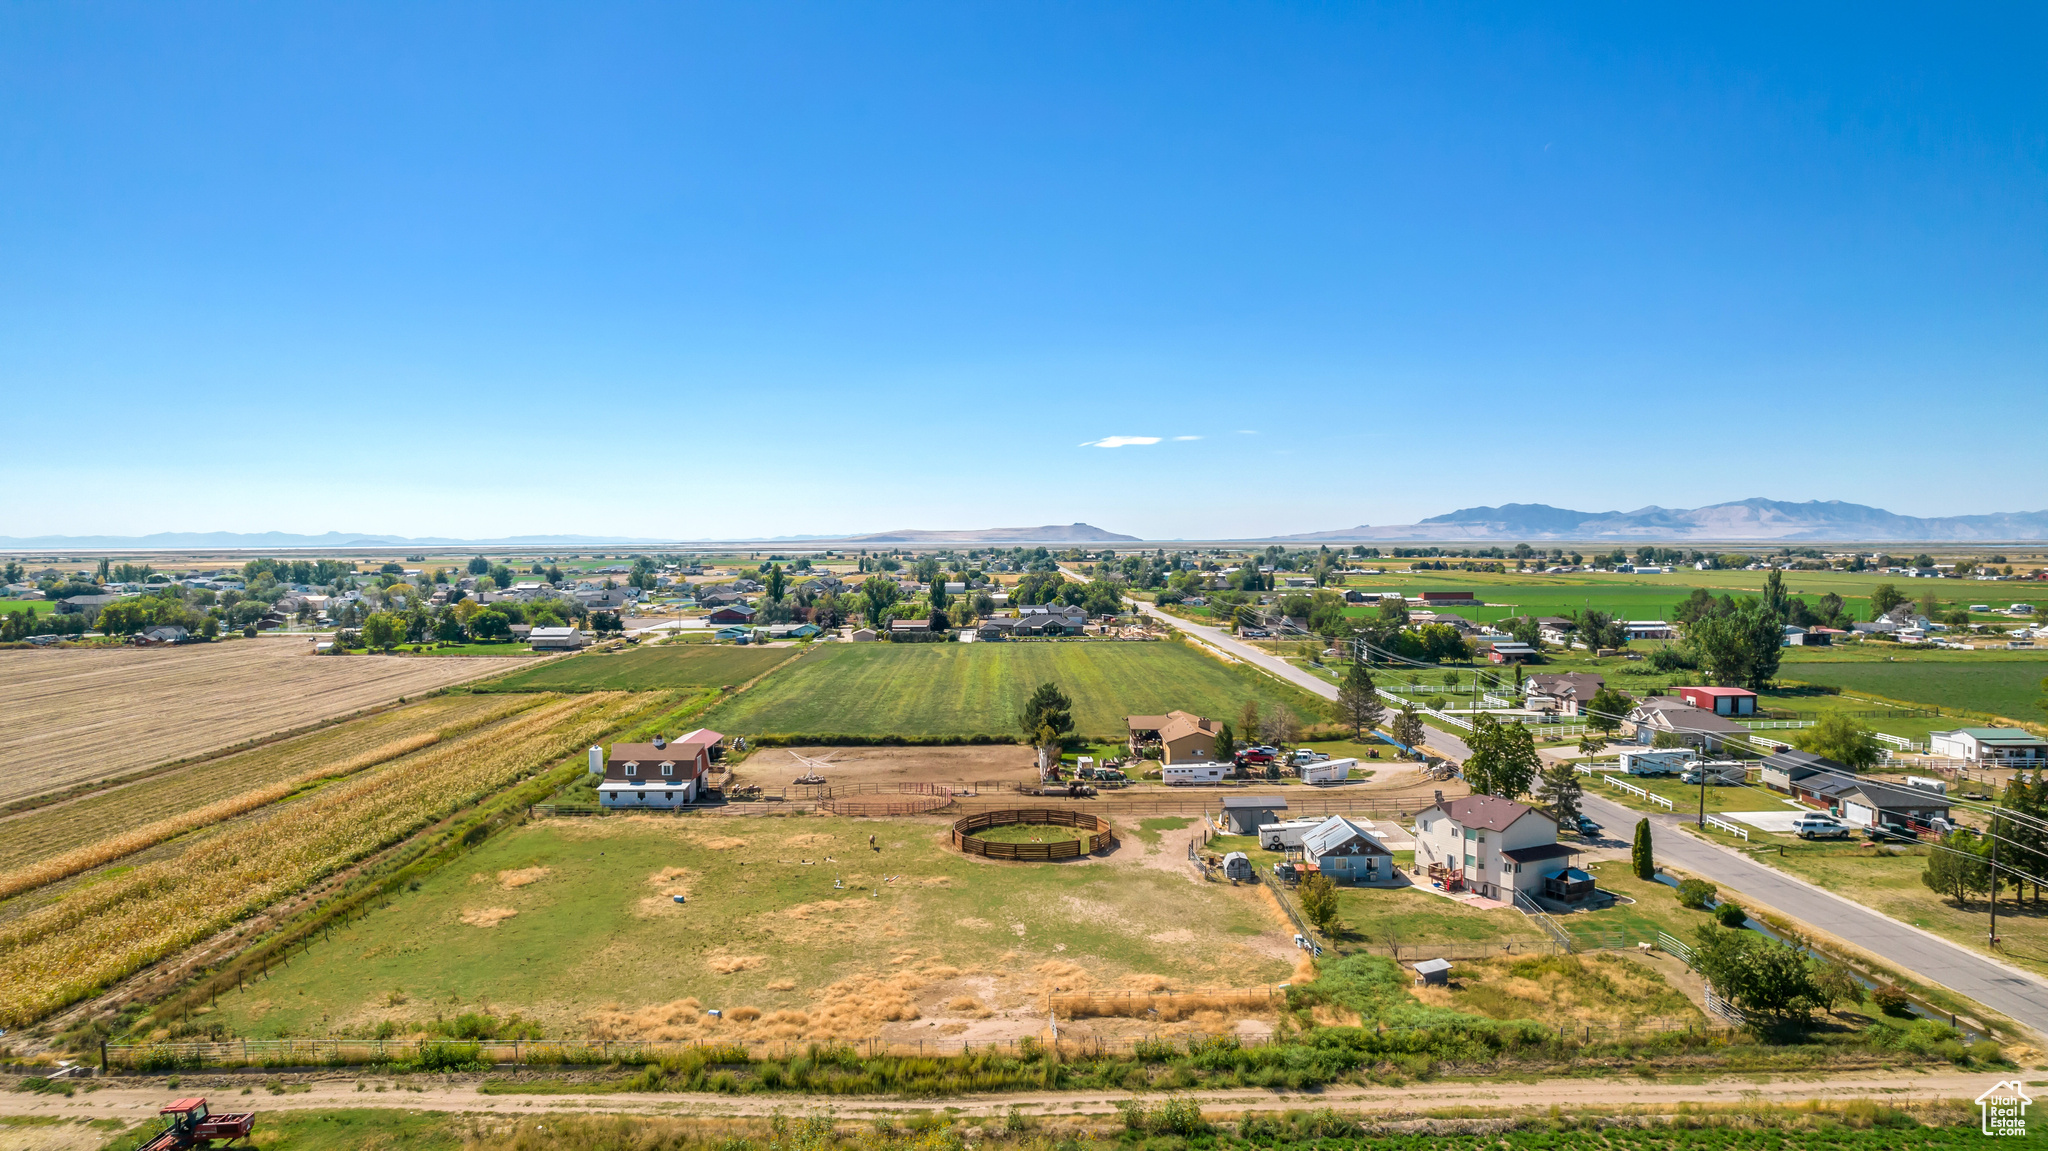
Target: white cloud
(1184, 439)
(1120, 441)
(1243, 432)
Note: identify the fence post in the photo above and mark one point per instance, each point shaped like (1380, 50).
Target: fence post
(103, 1057)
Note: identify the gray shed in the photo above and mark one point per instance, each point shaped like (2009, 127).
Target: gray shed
(1244, 813)
(1237, 866)
(1433, 971)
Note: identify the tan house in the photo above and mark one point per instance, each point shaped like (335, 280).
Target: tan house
(1182, 738)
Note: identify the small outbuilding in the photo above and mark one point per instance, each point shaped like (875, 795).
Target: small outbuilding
(1433, 971)
(1244, 813)
(1238, 866)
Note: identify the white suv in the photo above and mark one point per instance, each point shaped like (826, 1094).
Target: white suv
(1818, 827)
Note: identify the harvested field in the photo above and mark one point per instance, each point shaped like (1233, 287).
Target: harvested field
(137, 707)
(99, 932)
(49, 843)
(648, 668)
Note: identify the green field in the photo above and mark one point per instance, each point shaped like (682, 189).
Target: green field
(659, 668)
(571, 923)
(967, 689)
(1992, 683)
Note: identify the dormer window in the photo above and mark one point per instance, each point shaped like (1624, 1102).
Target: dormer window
(668, 769)
(632, 769)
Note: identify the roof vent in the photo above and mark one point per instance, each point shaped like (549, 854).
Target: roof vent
(660, 742)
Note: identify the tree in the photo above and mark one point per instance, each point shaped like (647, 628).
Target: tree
(1503, 761)
(603, 623)
(1641, 859)
(938, 593)
(879, 595)
(1358, 700)
(448, 629)
(1841, 739)
(1046, 719)
(383, 631)
(1774, 593)
(1562, 791)
(1407, 727)
(1279, 726)
(1606, 710)
(1248, 719)
(1742, 648)
(1768, 980)
(488, 624)
(1833, 983)
(777, 584)
(1226, 744)
(1319, 902)
(479, 565)
(1959, 870)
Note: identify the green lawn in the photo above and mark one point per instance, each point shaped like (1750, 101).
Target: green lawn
(585, 926)
(1383, 917)
(968, 689)
(1994, 683)
(657, 668)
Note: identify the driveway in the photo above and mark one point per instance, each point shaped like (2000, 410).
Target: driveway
(2019, 995)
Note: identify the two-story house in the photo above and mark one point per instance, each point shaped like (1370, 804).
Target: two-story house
(658, 775)
(1488, 845)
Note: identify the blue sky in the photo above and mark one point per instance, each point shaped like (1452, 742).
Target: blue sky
(681, 270)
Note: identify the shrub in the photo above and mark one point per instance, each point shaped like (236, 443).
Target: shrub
(1731, 915)
(1697, 894)
(1888, 998)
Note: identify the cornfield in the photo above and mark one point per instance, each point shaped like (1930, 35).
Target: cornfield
(65, 951)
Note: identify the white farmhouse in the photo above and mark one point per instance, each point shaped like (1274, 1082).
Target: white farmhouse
(1488, 845)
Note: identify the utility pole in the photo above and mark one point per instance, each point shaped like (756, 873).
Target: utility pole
(1703, 794)
(1994, 879)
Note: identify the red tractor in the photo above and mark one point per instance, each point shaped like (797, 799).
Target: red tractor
(191, 1126)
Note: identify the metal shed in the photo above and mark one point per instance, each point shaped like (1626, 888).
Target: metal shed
(1237, 866)
(1436, 971)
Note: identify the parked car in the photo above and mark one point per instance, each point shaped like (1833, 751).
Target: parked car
(1890, 832)
(1255, 755)
(1308, 755)
(1587, 828)
(1818, 827)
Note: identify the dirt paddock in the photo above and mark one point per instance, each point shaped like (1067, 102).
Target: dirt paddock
(775, 767)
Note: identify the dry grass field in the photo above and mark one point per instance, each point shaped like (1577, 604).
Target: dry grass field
(79, 715)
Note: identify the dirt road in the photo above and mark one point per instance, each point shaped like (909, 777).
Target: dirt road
(135, 1100)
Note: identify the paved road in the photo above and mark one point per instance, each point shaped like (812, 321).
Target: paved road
(2017, 994)
(1443, 742)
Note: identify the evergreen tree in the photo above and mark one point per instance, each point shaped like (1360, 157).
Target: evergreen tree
(1359, 701)
(1641, 859)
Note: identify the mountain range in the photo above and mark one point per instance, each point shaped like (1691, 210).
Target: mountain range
(258, 541)
(1740, 520)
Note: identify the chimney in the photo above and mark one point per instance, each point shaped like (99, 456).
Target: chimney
(660, 742)
(1439, 797)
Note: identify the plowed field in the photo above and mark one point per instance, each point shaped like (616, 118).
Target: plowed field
(73, 716)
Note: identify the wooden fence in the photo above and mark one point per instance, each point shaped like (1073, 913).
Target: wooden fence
(964, 839)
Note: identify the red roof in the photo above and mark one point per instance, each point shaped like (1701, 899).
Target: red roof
(186, 1104)
(1716, 691)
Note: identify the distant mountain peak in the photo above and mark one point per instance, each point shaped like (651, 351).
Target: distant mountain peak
(1754, 519)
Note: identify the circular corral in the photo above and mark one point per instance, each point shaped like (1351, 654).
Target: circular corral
(1102, 837)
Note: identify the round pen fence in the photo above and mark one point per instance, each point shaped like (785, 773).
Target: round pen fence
(1103, 839)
